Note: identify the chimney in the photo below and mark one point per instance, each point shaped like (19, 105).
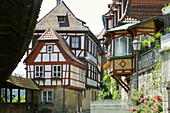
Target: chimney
(58, 2)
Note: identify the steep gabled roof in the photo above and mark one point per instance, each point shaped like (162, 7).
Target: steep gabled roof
(50, 34)
(132, 25)
(50, 20)
(139, 10)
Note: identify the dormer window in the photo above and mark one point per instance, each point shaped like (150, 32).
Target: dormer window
(61, 19)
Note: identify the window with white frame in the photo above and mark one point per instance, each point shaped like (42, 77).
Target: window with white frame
(49, 49)
(47, 96)
(39, 71)
(57, 71)
(75, 42)
(123, 46)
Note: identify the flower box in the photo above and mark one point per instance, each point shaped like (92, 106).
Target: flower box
(107, 65)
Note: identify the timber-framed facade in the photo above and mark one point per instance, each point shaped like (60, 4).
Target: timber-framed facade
(64, 58)
(126, 20)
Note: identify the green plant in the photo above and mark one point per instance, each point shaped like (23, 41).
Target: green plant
(106, 92)
(156, 74)
(145, 42)
(165, 7)
(151, 39)
(158, 35)
(167, 29)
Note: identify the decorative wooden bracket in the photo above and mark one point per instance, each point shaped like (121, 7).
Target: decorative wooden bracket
(120, 82)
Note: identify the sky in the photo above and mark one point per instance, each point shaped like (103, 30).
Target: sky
(89, 11)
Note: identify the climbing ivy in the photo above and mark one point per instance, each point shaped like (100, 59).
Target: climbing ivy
(108, 89)
(156, 75)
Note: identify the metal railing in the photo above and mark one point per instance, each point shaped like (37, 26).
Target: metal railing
(149, 58)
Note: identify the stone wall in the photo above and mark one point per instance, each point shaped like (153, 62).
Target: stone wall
(168, 88)
(165, 52)
(145, 78)
(109, 106)
(88, 96)
(72, 101)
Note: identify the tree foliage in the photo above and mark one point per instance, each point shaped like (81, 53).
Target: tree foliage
(108, 88)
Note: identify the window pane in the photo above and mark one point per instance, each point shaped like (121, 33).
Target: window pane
(41, 74)
(123, 46)
(61, 18)
(2, 94)
(44, 96)
(59, 68)
(49, 49)
(37, 74)
(55, 68)
(117, 46)
(8, 95)
(14, 95)
(130, 45)
(59, 74)
(50, 96)
(55, 74)
(77, 39)
(37, 68)
(41, 68)
(73, 39)
(75, 42)
(22, 95)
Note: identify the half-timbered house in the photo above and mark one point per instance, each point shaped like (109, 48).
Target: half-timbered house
(52, 65)
(126, 20)
(71, 50)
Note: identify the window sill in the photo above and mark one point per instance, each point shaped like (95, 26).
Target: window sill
(41, 78)
(47, 103)
(56, 77)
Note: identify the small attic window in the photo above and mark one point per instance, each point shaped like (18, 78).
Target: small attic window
(61, 19)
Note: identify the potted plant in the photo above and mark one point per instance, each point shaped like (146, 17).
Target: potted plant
(152, 42)
(158, 37)
(166, 10)
(145, 44)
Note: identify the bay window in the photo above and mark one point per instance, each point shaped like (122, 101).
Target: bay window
(123, 46)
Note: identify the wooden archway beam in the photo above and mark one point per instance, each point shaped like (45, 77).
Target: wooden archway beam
(120, 83)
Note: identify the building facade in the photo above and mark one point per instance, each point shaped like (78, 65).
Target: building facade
(64, 58)
(125, 21)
